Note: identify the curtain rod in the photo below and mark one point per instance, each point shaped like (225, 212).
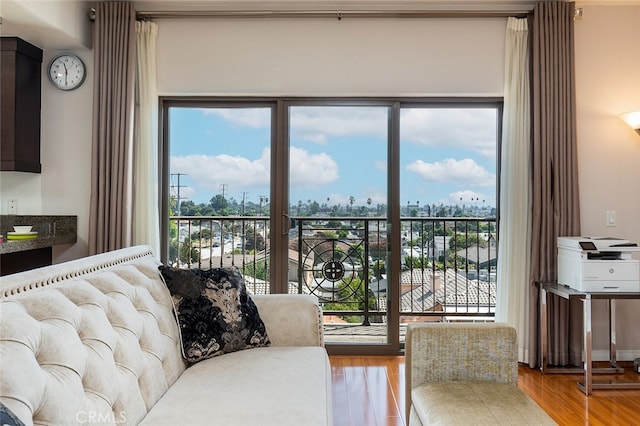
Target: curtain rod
(338, 14)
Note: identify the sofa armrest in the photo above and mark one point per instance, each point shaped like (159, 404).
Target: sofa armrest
(291, 319)
(437, 352)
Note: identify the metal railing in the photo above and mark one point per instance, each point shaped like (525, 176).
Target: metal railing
(448, 264)
(207, 242)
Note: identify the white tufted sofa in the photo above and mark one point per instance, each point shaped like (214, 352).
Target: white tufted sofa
(95, 341)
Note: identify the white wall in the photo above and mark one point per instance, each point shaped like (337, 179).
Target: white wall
(48, 23)
(63, 187)
(607, 84)
(328, 57)
(66, 154)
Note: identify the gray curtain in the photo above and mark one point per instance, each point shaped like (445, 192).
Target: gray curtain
(555, 203)
(110, 220)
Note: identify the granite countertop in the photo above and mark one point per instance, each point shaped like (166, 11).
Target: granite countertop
(52, 230)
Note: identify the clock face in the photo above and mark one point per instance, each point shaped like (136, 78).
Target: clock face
(66, 72)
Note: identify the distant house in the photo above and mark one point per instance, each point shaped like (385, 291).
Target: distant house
(258, 286)
(246, 260)
(447, 292)
(439, 246)
(480, 257)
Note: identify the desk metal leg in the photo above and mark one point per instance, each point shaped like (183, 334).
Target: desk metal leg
(613, 350)
(544, 338)
(588, 386)
(588, 343)
(612, 332)
(544, 341)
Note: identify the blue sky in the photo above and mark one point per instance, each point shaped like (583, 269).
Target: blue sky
(447, 155)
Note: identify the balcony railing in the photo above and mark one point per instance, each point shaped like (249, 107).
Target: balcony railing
(447, 271)
(207, 242)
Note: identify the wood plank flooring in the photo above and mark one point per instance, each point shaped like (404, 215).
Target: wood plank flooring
(369, 391)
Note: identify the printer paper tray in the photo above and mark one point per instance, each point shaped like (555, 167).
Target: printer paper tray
(609, 286)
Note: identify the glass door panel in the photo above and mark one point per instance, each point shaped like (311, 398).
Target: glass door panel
(338, 209)
(219, 183)
(448, 196)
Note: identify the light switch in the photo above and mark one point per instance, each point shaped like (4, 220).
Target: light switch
(611, 218)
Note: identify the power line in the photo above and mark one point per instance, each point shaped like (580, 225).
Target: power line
(178, 186)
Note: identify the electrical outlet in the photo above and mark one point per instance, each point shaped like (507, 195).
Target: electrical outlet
(13, 206)
(611, 218)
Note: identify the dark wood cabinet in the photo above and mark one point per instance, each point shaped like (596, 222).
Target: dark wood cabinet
(11, 263)
(20, 90)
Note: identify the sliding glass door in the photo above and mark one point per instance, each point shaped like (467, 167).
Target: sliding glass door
(385, 210)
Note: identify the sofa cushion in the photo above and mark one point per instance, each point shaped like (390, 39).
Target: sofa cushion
(91, 338)
(477, 403)
(215, 313)
(270, 386)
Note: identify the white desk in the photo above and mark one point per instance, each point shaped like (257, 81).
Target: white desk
(568, 293)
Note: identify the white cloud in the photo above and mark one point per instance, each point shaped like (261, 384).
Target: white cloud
(186, 192)
(470, 198)
(254, 118)
(317, 124)
(449, 128)
(456, 128)
(313, 124)
(459, 172)
(311, 170)
(210, 171)
(377, 197)
(380, 165)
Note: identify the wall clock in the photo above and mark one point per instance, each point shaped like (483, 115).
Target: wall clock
(67, 71)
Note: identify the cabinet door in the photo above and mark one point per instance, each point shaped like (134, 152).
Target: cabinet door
(20, 89)
(25, 260)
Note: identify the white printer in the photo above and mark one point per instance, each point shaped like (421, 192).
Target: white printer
(598, 264)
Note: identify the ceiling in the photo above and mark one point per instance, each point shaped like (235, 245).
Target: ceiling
(335, 5)
(64, 24)
(328, 5)
(54, 25)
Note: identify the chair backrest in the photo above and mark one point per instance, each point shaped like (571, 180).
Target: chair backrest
(436, 352)
(88, 340)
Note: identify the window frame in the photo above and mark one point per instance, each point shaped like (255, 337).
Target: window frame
(279, 181)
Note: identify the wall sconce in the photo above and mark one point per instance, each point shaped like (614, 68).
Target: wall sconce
(632, 119)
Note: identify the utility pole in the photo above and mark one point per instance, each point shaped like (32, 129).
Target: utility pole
(244, 194)
(223, 189)
(263, 199)
(177, 187)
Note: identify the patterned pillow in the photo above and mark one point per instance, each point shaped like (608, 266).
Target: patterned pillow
(7, 418)
(215, 313)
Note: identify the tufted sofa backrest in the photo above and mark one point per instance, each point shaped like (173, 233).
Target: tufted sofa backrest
(91, 341)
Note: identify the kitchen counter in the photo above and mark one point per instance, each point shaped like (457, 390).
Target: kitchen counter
(52, 230)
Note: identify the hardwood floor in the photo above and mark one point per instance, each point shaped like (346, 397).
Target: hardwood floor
(369, 391)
